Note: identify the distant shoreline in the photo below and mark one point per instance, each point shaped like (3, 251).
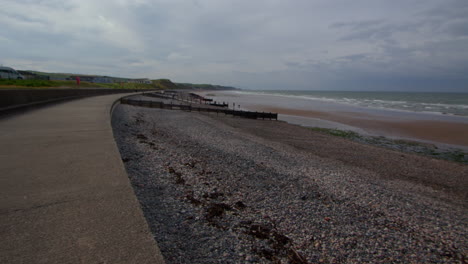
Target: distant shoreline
(434, 131)
(438, 129)
(439, 103)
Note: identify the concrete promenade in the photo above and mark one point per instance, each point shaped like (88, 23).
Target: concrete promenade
(64, 194)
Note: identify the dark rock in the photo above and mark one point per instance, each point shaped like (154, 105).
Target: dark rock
(216, 210)
(240, 205)
(141, 136)
(259, 231)
(193, 200)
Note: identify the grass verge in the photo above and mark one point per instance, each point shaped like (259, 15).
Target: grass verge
(44, 84)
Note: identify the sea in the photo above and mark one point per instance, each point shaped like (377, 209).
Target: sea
(428, 102)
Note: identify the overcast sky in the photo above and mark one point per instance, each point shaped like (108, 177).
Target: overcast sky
(411, 45)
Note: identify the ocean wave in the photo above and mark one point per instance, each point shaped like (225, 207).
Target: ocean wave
(447, 105)
(307, 97)
(378, 103)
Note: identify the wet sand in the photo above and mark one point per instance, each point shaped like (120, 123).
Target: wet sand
(433, 128)
(436, 131)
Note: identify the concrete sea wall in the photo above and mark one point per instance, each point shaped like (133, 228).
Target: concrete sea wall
(11, 99)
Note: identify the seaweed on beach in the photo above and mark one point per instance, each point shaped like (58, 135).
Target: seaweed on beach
(409, 146)
(337, 132)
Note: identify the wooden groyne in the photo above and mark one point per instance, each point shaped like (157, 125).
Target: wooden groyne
(190, 97)
(161, 95)
(219, 104)
(184, 107)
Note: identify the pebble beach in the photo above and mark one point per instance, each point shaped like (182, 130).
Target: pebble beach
(218, 189)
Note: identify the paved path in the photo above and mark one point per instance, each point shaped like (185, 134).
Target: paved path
(64, 194)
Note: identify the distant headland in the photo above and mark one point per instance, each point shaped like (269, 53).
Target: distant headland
(37, 79)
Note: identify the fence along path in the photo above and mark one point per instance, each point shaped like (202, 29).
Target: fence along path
(185, 107)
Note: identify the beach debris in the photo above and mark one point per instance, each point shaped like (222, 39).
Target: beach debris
(178, 175)
(139, 119)
(279, 240)
(216, 210)
(240, 205)
(259, 231)
(179, 179)
(170, 170)
(266, 253)
(295, 258)
(279, 245)
(141, 136)
(193, 200)
(190, 164)
(213, 195)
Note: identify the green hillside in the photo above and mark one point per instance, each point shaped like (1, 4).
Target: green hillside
(164, 84)
(204, 86)
(58, 81)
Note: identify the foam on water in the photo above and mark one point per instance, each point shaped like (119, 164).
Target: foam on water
(435, 103)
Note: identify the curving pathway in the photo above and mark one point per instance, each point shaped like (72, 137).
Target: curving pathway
(64, 194)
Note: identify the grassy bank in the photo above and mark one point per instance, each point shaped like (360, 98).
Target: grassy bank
(425, 149)
(119, 83)
(5, 83)
(43, 84)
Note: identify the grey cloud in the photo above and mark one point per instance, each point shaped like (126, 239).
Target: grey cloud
(131, 60)
(379, 33)
(449, 9)
(355, 57)
(358, 25)
(447, 19)
(456, 28)
(252, 44)
(383, 30)
(293, 64)
(22, 18)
